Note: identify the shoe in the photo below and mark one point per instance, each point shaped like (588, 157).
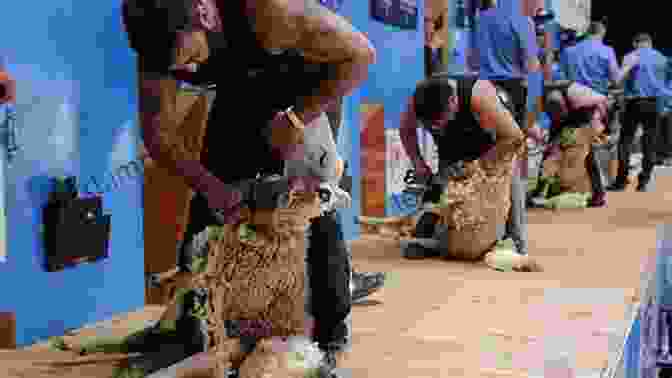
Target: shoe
(190, 332)
(598, 200)
(415, 251)
(536, 202)
(151, 362)
(366, 283)
(617, 186)
(643, 187)
(150, 339)
(329, 365)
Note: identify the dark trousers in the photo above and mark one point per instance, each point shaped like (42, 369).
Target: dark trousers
(644, 112)
(664, 145)
(518, 94)
(596, 179)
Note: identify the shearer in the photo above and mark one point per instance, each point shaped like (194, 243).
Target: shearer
(467, 118)
(573, 105)
(286, 63)
(645, 88)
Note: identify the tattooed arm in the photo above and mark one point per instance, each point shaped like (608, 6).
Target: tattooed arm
(322, 37)
(158, 101)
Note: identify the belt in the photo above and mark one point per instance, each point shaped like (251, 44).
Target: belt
(637, 98)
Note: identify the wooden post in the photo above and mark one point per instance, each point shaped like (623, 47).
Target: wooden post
(7, 330)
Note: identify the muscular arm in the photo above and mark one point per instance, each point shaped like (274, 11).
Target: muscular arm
(322, 37)
(493, 115)
(158, 100)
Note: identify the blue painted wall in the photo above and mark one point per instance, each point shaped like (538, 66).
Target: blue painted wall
(391, 81)
(77, 109)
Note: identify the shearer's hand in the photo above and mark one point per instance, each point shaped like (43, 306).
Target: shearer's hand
(226, 205)
(422, 169)
(285, 138)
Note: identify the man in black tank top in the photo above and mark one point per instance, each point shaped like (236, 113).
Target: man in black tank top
(286, 64)
(467, 117)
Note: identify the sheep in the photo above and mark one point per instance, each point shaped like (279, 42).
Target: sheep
(471, 210)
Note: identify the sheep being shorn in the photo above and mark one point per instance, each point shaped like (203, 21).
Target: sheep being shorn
(255, 275)
(471, 211)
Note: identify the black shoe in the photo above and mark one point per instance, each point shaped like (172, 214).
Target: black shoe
(329, 366)
(151, 362)
(365, 284)
(150, 339)
(190, 332)
(416, 251)
(617, 186)
(536, 202)
(643, 186)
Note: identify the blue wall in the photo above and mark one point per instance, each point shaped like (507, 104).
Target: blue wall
(391, 81)
(77, 108)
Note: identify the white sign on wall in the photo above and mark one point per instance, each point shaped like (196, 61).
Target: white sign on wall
(573, 14)
(397, 161)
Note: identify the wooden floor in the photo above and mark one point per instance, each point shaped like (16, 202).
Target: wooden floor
(440, 319)
(448, 319)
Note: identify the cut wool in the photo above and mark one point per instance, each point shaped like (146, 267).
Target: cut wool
(291, 358)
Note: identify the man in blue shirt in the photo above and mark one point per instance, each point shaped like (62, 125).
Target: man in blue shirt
(507, 52)
(591, 62)
(664, 148)
(644, 71)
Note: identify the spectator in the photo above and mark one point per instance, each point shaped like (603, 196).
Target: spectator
(591, 62)
(644, 76)
(664, 148)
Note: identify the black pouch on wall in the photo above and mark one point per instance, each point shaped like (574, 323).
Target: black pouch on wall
(75, 229)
